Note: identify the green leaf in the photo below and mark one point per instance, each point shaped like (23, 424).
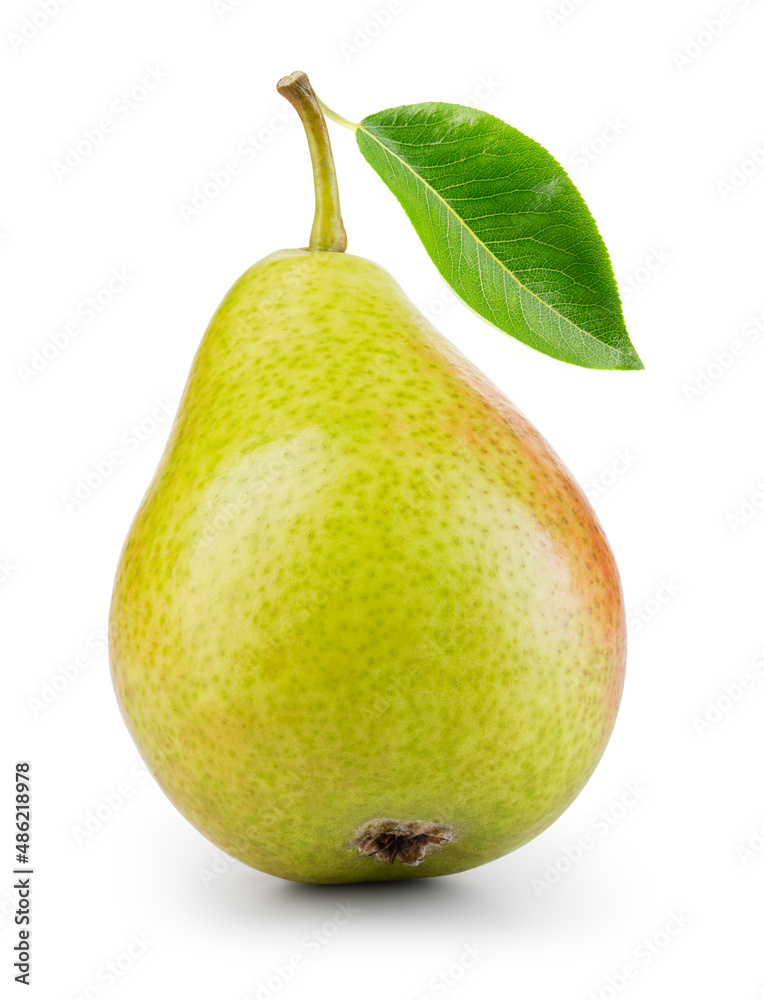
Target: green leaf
(505, 226)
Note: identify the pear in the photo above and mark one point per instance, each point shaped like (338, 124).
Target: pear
(365, 625)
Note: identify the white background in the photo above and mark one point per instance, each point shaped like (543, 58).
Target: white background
(672, 877)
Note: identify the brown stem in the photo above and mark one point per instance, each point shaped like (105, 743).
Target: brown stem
(328, 232)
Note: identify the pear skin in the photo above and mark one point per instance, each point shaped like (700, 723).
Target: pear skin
(365, 625)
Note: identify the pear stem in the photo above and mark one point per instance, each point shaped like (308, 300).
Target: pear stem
(328, 232)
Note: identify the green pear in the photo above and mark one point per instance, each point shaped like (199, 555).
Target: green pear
(365, 625)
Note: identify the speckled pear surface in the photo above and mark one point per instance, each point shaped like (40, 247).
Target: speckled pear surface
(361, 587)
